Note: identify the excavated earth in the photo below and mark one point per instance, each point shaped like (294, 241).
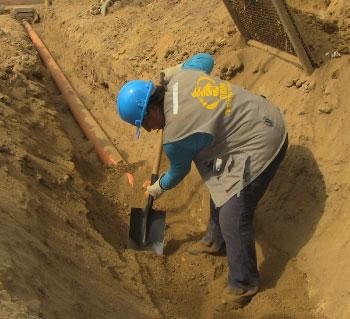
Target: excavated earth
(64, 216)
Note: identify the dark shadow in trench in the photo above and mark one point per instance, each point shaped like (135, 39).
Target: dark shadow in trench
(103, 217)
(173, 245)
(103, 213)
(288, 214)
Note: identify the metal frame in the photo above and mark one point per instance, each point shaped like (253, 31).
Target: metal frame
(290, 29)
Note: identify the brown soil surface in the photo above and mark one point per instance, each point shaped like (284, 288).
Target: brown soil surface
(64, 217)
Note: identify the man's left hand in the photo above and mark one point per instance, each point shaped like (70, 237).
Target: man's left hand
(154, 190)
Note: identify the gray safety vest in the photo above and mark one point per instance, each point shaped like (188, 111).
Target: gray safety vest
(248, 131)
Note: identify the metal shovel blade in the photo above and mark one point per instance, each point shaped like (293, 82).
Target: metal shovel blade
(147, 230)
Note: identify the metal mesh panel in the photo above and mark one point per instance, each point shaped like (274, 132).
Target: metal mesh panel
(261, 23)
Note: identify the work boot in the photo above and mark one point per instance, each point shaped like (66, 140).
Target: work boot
(207, 247)
(234, 298)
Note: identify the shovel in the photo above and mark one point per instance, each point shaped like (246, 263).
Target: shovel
(147, 226)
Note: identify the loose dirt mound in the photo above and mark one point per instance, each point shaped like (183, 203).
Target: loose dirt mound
(70, 214)
(54, 264)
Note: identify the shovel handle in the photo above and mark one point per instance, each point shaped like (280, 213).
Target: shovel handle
(155, 169)
(156, 163)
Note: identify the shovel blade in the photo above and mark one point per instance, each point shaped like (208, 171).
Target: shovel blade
(152, 230)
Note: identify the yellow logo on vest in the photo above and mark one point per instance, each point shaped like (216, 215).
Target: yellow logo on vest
(210, 94)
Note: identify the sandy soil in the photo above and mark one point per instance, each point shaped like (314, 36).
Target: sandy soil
(65, 217)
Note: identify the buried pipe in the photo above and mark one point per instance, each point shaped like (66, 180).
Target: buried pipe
(20, 2)
(106, 151)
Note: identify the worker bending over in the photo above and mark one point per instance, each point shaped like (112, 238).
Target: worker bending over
(236, 139)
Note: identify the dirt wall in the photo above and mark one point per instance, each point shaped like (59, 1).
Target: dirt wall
(54, 264)
(302, 222)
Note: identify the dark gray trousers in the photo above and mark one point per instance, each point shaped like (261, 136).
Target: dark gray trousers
(233, 224)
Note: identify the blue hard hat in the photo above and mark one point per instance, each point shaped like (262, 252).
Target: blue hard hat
(132, 101)
(199, 61)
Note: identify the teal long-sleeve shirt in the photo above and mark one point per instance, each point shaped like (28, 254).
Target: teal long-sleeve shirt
(180, 155)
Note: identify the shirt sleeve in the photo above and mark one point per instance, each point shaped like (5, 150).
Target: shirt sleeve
(200, 61)
(180, 155)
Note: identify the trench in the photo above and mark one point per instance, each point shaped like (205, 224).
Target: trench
(176, 285)
(180, 285)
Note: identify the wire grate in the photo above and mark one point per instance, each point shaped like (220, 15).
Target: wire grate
(262, 23)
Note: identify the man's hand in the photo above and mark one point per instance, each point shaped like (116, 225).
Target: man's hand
(154, 190)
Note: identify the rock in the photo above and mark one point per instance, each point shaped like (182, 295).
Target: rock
(335, 74)
(222, 43)
(309, 86)
(335, 54)
(5, 149)
(168, 52)
(227, 72)
(330, 27)
(290, 83)
(66, 178)
(326, 109)
(5, 99)
(51, 112)
(299, 83)
(213, 49)
(4, 75)
(224, 69)
(95, 10)
(218, 271)
(344, 50)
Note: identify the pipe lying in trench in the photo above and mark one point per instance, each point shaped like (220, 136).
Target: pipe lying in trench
(20, 2)
(106, 151)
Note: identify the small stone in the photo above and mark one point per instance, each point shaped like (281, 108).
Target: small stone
(5, 99)
(335, 54)
(51, 112)
(327, 91)
(213, 49)
(335, 75)
(95, 10)
(344, 50)
(224, 69)
(309, 86)
(5, 149)
(330, 27)
(299, 83)
(218, 271)
(66, 177)
(290, 83)
(169, 52)
(4, 75)
(222, 43)
(326, 109)
(104, 84)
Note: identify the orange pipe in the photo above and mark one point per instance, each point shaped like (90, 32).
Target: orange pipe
(106, 151)
(20, 2)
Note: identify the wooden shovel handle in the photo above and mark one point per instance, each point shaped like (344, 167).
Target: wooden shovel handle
(158, 154)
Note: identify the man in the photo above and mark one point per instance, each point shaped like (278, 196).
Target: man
(237, 141)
